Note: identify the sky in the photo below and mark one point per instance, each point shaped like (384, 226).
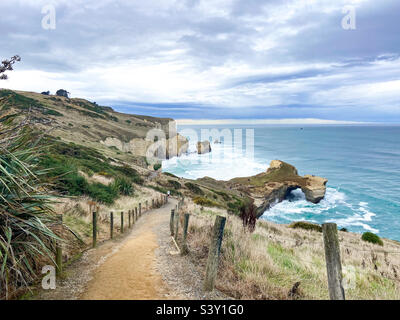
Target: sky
(212, 59)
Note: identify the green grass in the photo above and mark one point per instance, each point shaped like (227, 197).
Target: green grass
(169, 174)
(286, 172)
(224, 195)
(123, 186)
(235, 206)
(78, 224)
(158, 188)
(66, 160)
(174, 184)
(194, 188)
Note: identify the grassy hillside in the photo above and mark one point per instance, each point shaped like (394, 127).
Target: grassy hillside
(284, 262)
(81, 122)
(80, 163)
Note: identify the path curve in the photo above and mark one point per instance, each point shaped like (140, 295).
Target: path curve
(130, 272)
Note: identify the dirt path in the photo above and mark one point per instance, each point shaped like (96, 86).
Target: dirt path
(130, 272)
(137, 266)
(125, 268)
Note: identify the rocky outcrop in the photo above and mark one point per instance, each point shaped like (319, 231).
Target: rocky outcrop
(203, 147)
(315, 188)
(274, 185)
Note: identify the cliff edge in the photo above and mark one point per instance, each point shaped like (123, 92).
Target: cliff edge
(274, 185)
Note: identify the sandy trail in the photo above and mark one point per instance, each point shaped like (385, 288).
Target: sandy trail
(130, 272)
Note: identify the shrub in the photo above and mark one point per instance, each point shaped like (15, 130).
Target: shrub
(157, 166)
(174, 184)
(372, 237)
(123, 186)
(130, 173)
(194, 188)
(224, 195)
(103, 193)
(201, 201)
(306, 226)
(234, 207)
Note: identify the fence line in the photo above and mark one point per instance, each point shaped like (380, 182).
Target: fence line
(133, 214)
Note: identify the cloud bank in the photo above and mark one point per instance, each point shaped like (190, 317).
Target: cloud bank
(196, 59)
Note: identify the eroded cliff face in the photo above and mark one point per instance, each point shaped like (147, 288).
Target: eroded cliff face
(274, 185)
(161, 149)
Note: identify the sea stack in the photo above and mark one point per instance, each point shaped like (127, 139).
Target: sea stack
(203, 147)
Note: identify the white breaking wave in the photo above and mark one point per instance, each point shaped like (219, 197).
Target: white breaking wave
(297, 208)
(358, 219)
(298, 204)
(222, 163)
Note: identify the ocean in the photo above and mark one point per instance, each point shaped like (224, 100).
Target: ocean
(361, 163)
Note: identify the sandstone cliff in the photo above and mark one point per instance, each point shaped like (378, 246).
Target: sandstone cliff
(274, 185)
(203, 147)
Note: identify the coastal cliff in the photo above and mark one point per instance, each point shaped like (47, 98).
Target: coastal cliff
(73, 120)
(274, 185)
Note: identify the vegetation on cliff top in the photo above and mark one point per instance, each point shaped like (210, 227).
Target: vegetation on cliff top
(65, 160)
(284, 173)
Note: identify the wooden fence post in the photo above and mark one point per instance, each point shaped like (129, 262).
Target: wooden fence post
(129, 218)
(122, 222)
(152, 203)
(111, 225)
(136, 213)
(59, 249)
(176, 226)
(94, 229)
(140, 209)
(171, 222)
(214, 253)
(185, 232)
(333, 263)
(133, 217)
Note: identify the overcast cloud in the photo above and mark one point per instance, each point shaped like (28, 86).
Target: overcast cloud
(212, 59)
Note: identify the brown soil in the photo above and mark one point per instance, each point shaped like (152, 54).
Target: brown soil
(130, 273)
(124, 268)
(139, 265)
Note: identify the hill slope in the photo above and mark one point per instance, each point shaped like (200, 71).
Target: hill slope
(90, 146)
(88, 124)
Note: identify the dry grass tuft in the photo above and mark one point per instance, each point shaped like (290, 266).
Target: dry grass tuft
(278, 262)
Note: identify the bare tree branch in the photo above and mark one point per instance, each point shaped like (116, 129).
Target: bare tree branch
(7, 65)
